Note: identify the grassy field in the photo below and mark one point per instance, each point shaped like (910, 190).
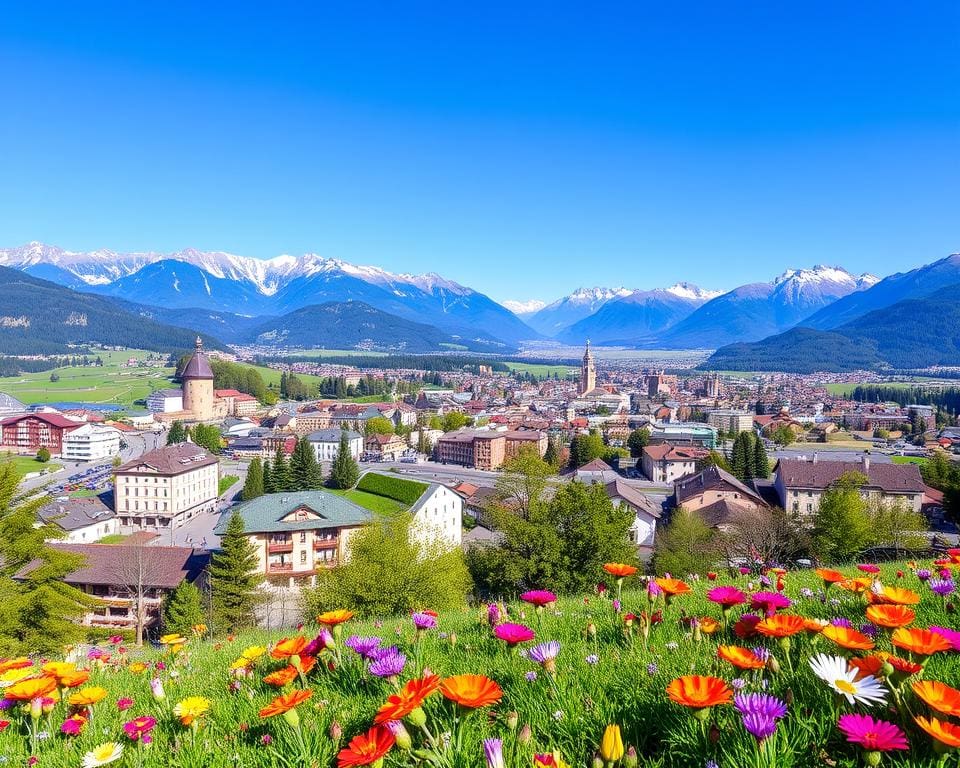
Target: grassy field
(226, 483)
(909, 460)
(603, 670)
(544, 369)
(380, 505)
(26, 464)
(321, 353)
(272, 376)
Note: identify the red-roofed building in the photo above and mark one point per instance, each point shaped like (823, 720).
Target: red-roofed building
(28, 433)
(664, 463)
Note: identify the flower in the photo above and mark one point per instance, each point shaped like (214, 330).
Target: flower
(899, 596)
(698, 692)
(73, 725)
(544, 653)
(363, 646)
(123, 704)
(707, 625)
(388, 662)
(493, 752)
(742, 658)
(944, 732)
(866, 665)
(829, 576)
(323, 640)
(726, 596)
(950, 635)
(620, 570)
(512, 634)
(138, 667)
(423, 620)
(890, 615)
(611, 745)
(758, 726)
(281, 677)
(106, 753)
(471, 691)
(366, 748)
(173, 639)
(848, 638)
(920, 642)
(746, 626)
(836, 672)
(252, 652)
(411, 697)
(284, 703)
(782, 625)
(769, 602)
(156, 689)
(30, 688)
(942, 587)
(88, 696)
(759, 704)
(332, 618)
(941, 697)
(139, 727)
(539, 597)
(868, 568)
(902, 666)
(190, 709)
(673, 587)
(289, 646)
(592, 659)
(872, 735)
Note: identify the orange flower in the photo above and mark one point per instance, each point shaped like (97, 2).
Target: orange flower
(855, 585)
(781, 625)
(31, 688)
(620, 570)
(890, 616)
(899, 596)
(87, 697)
(289, 646)
(471, 691)
(332, 618)
(698, 692)
(945, 733)
(21, 662)
(366, 748)
(307, 663)
(848, 638)
(73, 679)
(742, 658)
(411, 696)
(941, 697)
(281, 677)
(673, 587)
(902, 666)
(829, 575)
(284, 703)
(867, 665)
(815, 625)
(708, 625)
(921, 642)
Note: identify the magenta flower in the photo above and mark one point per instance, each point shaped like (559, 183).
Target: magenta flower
(769, 602)
(424, 620)
(365, 647)
(389, 662)
(73, 725)
(872, 735)
(512, 634)
(493, 614)
(539, 597)
(726, 596)
(950, 635)
(321, 641)
(868, 568)
(139, 728)
(124, 704)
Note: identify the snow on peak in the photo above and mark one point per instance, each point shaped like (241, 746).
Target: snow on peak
(686, 290)
(524, 307)
(597, 293)
(818, 274)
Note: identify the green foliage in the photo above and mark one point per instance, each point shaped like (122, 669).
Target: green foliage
(714, 458)
(842, 525)
(522, 482)
(206, 436)
(43, 455)
(280, 480)
(761, 464)
(896, 525)
(742, 457)
(226, 483)
(686, 545)
(305, 474)
(586, 448)
(177, 433)
(344, 472)
(183, 609)
(378, 425)
(253, 485)
(552, 454)
(637, 441)
(268, 486)
(455, 420)
(234, 580)
(782, 436)
(397, 488)
(390, 571)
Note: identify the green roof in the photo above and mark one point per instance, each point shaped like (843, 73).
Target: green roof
(265, 513)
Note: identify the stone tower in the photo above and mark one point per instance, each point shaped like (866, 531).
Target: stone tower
(588, 372)
(197, 383)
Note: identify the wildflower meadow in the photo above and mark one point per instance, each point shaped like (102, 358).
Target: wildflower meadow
(738, 669)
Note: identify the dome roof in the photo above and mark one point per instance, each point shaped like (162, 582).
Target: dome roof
(198, 366)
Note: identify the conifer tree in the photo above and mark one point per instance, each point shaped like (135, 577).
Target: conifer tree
(741, 458)
(234, 581)
(176, 434)
(184, 609)
(268, 486)
(761, 466)
(280, 472)
(253, 486)
(552, 454)
(344, 473)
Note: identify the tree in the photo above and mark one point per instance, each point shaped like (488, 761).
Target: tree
(304, 470)
(117, 460)
(637, 441)
(234, 581)
(522, 482)
(742, 457)
(253, 485)
(280, 472)
(782, 436)
(842, 525)
(176, 433)
(136, 575)
(206, 436)
(552, 454)
(344, 473)
(586, 448)
(454, 420)
(686, 545)
(392, 571)
(898, 526)
(772, 536)
(268, 486)
(378, 425)
(43, 455)
(183, 609)
(761, 464)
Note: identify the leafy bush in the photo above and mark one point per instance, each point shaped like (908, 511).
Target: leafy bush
(396, 488)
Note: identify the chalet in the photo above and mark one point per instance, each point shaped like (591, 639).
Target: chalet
(716, 496)
(326, 443)
(384, 447)
(28, 433)
(646, 512)
(83, 520)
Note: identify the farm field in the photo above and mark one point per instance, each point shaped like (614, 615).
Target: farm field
(321, 353)
(544, 369)
(792, 686)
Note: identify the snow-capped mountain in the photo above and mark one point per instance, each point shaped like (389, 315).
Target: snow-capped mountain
(218, 280)
(522, 308)
(562, 313)
(693, 292)
(758, 310)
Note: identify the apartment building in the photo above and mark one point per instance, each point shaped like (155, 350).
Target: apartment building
(91, 442)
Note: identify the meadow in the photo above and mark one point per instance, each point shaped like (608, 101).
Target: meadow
(24, 465)
(550, 685)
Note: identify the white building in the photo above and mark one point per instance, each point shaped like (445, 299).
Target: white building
(438, 517)
(646, 510)
(165, 401)
(91, 442)
(82, 521)
(730, 421)
(326, 443)
(665, 463)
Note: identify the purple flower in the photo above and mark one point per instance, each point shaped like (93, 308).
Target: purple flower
(5, 704)
(366, 647)
(950, 635)
(923, 574)
(840, 621)
(592, 659)
(759, 726)
(424, 621)
(616, 605)
(806, 592)
(759, 704)
(530, 676)
(869, 630)
(389, 662)
(651, 669)
(738, 683)
(493, 751)
(544, 652)
(653, 589)
(761, 653)
(493, 614)
(942, 587)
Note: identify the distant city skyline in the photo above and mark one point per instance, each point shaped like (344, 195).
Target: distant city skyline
(524, 152)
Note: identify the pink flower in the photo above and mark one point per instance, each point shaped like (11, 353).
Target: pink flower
(872, 735)
(869, 568)
(73, 725)
(512, 634)
(726, 596)
(539, 597)
(116, 639)
(769, 602)
(124, 704)
(139, 728)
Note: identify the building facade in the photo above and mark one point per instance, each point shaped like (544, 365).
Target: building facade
(665, 463)
(326, 443)
(91, 442)
(588, 372)
(730, 421)
(28, 433)
(165, 401)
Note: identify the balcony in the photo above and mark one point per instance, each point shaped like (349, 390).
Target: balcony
(326, 543)
(279, 547)
(279, 567)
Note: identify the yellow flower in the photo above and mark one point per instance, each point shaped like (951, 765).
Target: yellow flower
(102, 755)
(137, 667)
(254, 652)
(199, 629)
(11, 676)
(191, 708)
(174, 639)
(240, 663)
(611, 745)
(88, 696)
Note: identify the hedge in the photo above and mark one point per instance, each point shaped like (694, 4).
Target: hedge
(396, 488)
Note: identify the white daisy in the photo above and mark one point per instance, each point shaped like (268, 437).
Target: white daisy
(102, 755)
(836, 673)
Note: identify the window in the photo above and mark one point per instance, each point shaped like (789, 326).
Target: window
(809, 507)
(303, 556)
(303, 537)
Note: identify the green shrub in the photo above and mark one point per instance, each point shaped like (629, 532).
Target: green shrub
(396, 488)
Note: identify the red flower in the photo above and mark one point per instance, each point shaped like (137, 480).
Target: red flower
(366, 748)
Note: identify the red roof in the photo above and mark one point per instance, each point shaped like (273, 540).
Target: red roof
(53, 419)
(226, 393)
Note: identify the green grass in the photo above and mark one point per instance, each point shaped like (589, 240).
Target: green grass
(27, 464)
(380, 505)
(226, 483)
(113, 538)
(625, 685)
(909, 460)
(272, 376)
(85, 493)
(321, 353)
(544, 369)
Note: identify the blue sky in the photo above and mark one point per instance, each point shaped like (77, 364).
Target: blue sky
(520, 148)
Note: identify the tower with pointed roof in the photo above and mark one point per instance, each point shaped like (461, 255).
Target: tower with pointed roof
(588, 372)
(197, 382)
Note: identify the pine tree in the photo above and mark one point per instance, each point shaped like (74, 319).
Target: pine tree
(234, 581)
(268, 486)
(184, 609)
(761, 466)
(344, 473)
(304, 471)
(253, 486)
(177, 433)
(741, 459)
(552, 454)
(280, 472)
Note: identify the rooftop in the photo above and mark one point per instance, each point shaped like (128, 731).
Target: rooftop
(265, 514)
(890, 478)
(170, 460)
(73, 514)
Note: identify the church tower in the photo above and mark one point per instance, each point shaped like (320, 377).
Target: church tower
(197, 383)
(588, 372)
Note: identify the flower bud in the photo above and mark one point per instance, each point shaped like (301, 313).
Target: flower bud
(597, 761)
(400, 734)
(630, 758)
(453, 639)
(592, 629)
(513, 719)
(525, 734)
(611, 745)
(335, 731)
(418, 717)
(773, 665)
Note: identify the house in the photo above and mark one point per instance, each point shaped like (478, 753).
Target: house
(326, 443)
(140, 419)
(716, 496)
(665, 463)
(646, 512)
(91, 442)
(384, 447)
(312, 421)
(801, 483)
(273, 441)
(237, 403)
(518, 438)
(481, 449)
(596, 471)
(165, 401)
(82, 520)
(438, 516)
(164, 488)
(28, 433)
(9, 404)
(117, 575)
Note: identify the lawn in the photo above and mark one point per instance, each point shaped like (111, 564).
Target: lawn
(226, 483)
(26, 464)
(272, 376)
(602, 670)
(921, 460)
(380, 505)
(544, 369)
